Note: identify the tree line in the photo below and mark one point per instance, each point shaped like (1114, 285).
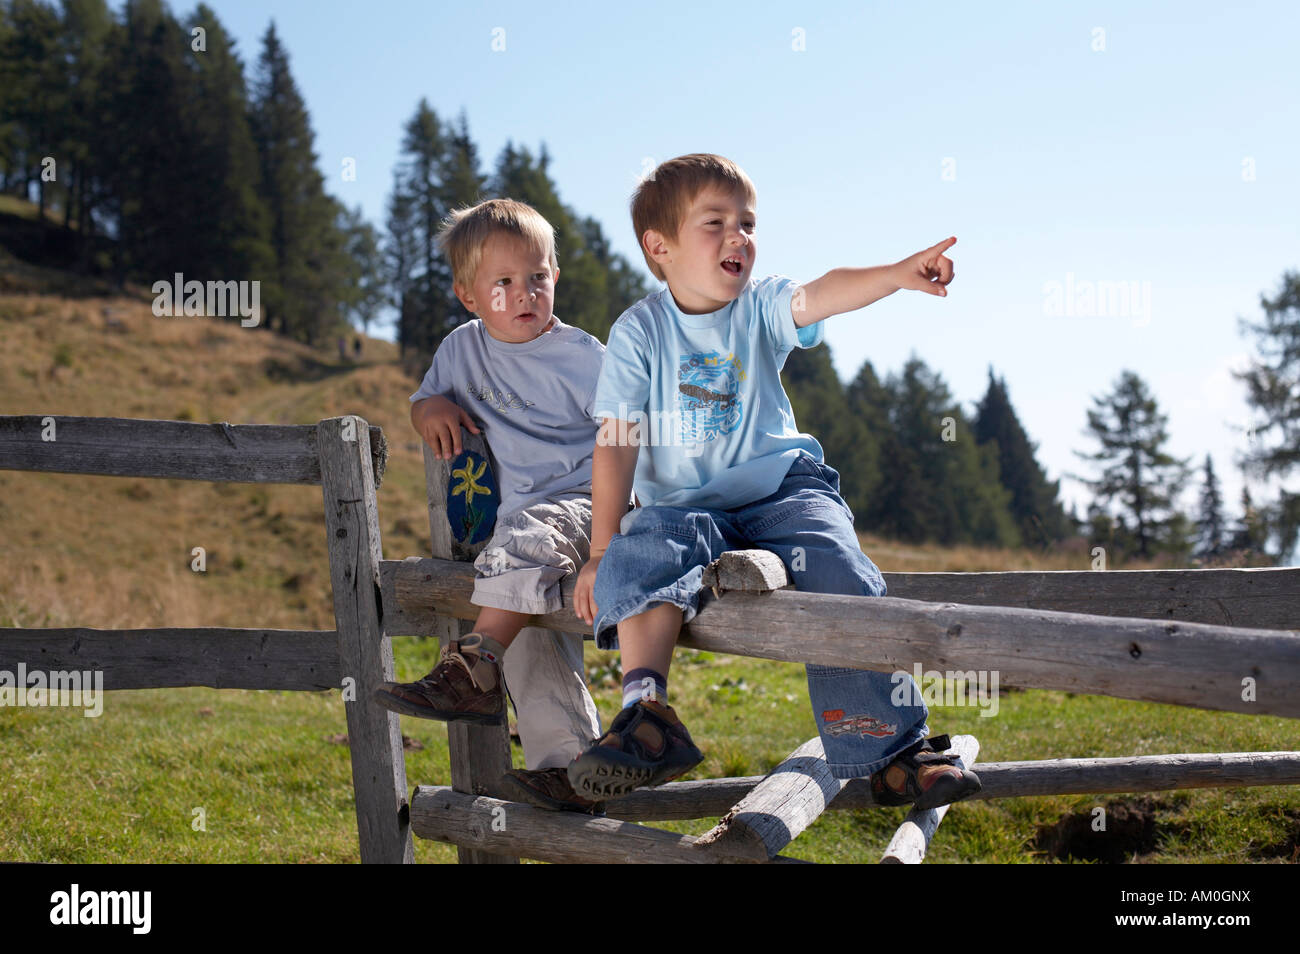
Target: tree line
(142, 133)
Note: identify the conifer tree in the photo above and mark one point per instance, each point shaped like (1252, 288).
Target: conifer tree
(34, 79)
(304, 296)
(1136, 474)
(1251, 533)
(1273, 390)
(231, 226)
(428, 304)
(867, 404)
(821, 408)
(1210, 525)
(1034, 501)
(87, 30)
(365, 295)
(941, 485)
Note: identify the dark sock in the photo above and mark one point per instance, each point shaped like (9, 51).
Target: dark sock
(644, 685)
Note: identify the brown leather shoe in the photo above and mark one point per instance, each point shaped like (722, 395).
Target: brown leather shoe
(463, 687)
(548, 788)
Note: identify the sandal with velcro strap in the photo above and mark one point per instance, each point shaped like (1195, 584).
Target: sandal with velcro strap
(646, 745)
(924, 776)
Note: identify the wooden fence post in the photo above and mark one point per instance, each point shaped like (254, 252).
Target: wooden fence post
(479, 753)
(365, 650)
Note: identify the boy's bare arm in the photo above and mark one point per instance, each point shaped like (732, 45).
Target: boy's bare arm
(848, 289)
(613, 467)
(438, 421)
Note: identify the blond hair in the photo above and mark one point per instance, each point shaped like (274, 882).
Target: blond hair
(661, 200)
(466, 230)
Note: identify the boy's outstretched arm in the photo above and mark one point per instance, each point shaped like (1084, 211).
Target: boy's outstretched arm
(613, 467)
(848, 289)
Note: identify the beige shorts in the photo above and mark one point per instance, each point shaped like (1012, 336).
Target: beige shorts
(520, 569)
(530, 553)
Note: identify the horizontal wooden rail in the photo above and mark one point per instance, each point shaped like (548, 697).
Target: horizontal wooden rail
(1265, 598)
(1255, 671)
(512, 829)
(709, 798)
(126, 447)
(167, 658)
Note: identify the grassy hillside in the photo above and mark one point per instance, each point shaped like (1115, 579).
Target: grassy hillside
(270, 770)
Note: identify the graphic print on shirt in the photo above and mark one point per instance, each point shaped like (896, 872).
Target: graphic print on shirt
(502, 400)
(708, 395)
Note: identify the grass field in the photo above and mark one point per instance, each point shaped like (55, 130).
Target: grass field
(268, 774)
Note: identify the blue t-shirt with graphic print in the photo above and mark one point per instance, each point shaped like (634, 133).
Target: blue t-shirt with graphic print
(703, 395)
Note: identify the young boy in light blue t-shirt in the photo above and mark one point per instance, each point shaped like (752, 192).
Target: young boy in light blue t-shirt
(697, 422)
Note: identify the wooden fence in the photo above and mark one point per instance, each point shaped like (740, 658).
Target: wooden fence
(1184, 637)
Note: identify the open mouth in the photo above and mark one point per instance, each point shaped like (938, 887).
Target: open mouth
(733, 266)
(527, 316)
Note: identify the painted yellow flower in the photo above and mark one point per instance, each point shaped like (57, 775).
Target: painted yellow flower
(469, 477)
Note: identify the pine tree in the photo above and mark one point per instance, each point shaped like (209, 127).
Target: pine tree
(1034, 501)
(428, 304)
(366, 295)
(303, 297)
(1251, 533)
(231, 225)
(87, 31)
(867, 404)
(1137, 475)
(940, 485)
(149, 160)
(821, 408)
(34, 78)
(1273, 390)
(1210, 524)
(9, 129)
(400, 254)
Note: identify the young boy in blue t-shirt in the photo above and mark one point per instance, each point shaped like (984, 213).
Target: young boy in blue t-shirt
(697, 422)
(525, 381)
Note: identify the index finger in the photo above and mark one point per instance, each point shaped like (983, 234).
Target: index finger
(944, 245)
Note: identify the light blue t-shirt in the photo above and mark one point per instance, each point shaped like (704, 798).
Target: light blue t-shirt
(533, 403)
(706, 392)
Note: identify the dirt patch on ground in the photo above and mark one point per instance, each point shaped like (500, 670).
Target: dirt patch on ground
(1124, 829)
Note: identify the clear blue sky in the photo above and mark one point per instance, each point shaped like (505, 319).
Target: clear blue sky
(1118, 164)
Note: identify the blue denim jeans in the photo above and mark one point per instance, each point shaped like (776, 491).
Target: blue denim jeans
(660, 555)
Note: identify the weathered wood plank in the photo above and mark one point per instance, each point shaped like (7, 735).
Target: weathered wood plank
(777, 809)
(755, 571)
(1264, 598)
(365, 651)
(170, 658)
(479, 754)
(402, 620)
(1191, 664)
(709, 798)
(1258, 598)
(127, 447)
(489, 825)
(912, 840)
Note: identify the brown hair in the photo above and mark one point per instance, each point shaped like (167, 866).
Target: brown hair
(466, 230)
(662, 198)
